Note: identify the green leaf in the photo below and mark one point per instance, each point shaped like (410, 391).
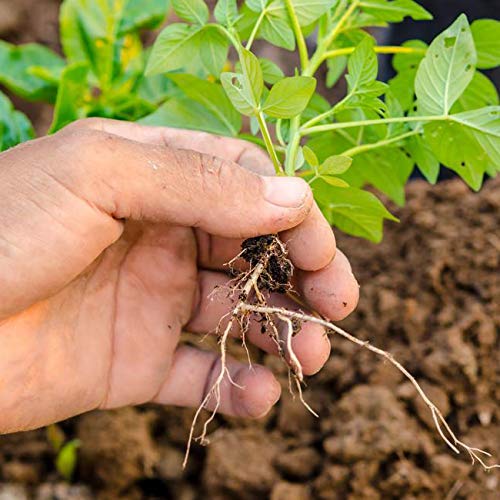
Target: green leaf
(394, 11)
(334, 181)
(386, 168)
(155, 89)
(309, 11)
(137, 16)
(406, 65)
(194, 11)
(214, 48)
(271, 72)
(71, 96)
(213, 98)
(252, 72)
(423, 156)
(67, 459)
(335, 165)
(480, 92)
(487, 41)
(317, 105)
(310, 157)
(336, 67)
(257, 5)
(352, 210)
(468, 143)
(245, 89)
(226, 12)
(16, 65)
(446, 70)
(103, 33)
(14, 125)
(289, 97)
(176, 47)
(363, 89)
(238, 91)
(274, 25)
(184, 113)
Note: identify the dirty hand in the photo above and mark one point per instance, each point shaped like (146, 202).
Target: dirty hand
(112, 236)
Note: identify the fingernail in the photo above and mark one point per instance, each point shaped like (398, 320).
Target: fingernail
(287, 192)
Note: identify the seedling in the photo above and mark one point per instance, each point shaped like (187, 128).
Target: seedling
(66, 451)
(202, 73)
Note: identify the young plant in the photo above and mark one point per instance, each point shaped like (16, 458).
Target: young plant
(203, 73)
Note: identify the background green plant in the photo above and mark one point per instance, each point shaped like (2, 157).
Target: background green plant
(438, 109)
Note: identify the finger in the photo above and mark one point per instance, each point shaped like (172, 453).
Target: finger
(332, 291)
(248, 155)
(129, 179)
(193, 373)
(215, 301)
(311, 244)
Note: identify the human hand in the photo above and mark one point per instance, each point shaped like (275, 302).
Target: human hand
(112, 237)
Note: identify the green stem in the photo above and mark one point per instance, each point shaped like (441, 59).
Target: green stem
(255, 29)
(318, 56)
(293, 146)
(299, 36)
(380, 49)
(374, 145)
(269, 143)
(319, 118)
(227, 33)
(279, 135)
(343, 125)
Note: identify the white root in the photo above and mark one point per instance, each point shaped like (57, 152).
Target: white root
(247, 283)
(215, 389)
(440, 422)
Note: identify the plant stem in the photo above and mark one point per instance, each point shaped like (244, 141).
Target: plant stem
(374, 145)
(260, 142)
(319, 118)
(255, 29)
(299, 36)
(308, 130)
(318, 56)
(380, 49)
(269, 143)
(293, 146)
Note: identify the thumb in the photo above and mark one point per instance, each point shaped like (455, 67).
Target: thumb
(134, 180)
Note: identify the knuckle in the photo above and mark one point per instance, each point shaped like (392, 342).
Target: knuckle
(85, 123)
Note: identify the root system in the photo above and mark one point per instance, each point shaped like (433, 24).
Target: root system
(270, 271)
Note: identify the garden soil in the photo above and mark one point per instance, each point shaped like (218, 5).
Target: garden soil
(430, 294)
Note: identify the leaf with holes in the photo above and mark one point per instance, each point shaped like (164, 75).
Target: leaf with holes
(446, 70)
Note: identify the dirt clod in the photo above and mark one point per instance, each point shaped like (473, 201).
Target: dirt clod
(252, 477)
(278, 269)
(116, 448)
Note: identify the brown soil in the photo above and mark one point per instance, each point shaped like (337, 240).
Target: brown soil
(430, 294)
